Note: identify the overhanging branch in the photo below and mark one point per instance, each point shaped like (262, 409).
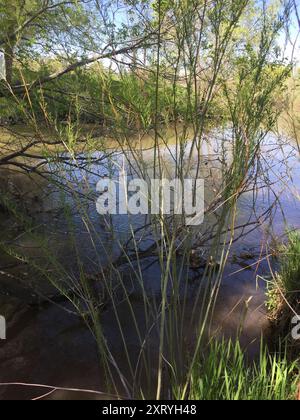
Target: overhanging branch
(19, 89)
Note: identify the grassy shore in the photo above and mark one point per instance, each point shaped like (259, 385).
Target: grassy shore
(225, 374)
(284, 295)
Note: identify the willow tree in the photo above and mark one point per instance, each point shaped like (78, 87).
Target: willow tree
(26, 24)
(75, 32)
(43, 41)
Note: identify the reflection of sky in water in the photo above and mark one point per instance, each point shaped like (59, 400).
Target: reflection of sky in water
(96, 238)
(278, 165)
(280, 168)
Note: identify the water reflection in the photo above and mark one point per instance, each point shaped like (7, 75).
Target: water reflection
(68, 226)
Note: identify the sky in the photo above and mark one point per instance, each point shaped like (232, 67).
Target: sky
(290, 44)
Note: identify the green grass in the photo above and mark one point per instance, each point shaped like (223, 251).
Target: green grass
(225, 374)
(290, 270)
(283, 296)
(285, 286)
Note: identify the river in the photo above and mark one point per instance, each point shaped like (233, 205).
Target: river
(48, 344)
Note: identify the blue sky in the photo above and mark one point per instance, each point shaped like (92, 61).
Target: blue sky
(290, 43)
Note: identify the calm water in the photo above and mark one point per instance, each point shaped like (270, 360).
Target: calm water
(48, 345)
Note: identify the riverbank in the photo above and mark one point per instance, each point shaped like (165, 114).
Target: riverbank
(284, 298)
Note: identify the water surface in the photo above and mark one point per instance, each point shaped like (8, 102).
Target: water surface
(49, 344)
